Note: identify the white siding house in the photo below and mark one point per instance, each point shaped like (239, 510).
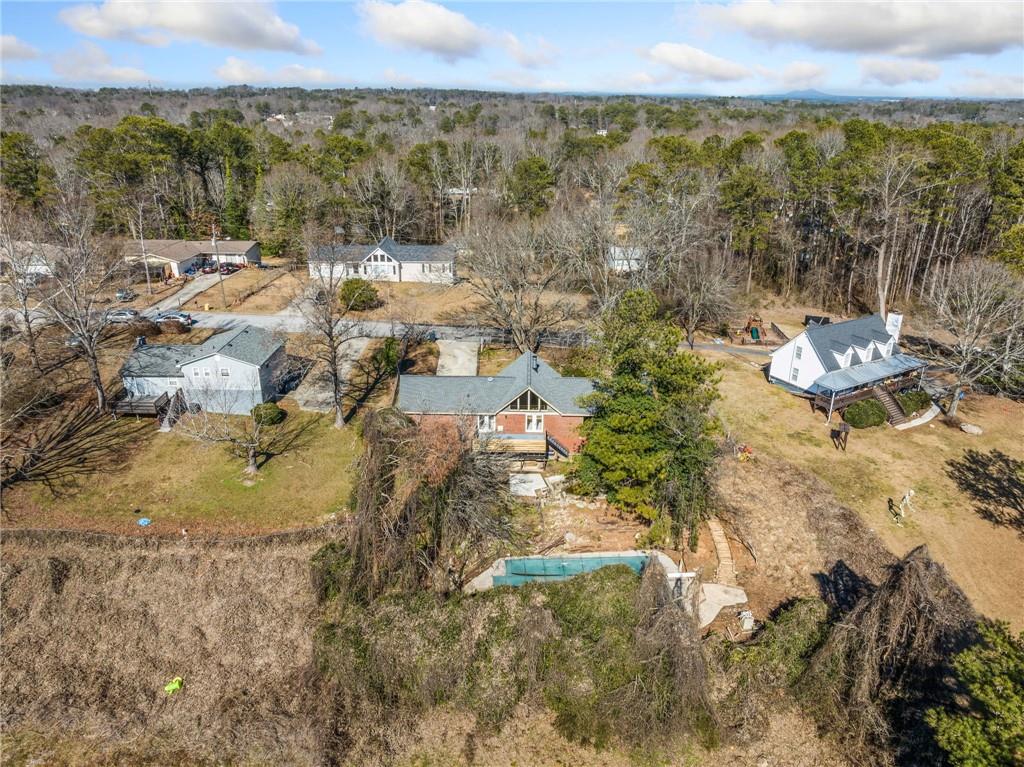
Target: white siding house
(803, 362)
(230, 373)
(387, 261)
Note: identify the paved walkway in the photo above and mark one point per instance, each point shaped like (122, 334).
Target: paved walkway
(458, 358)
(921, 420)
(726, 574)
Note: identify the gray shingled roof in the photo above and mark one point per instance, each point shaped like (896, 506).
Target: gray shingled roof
(840, 336)
(156, 360)
(401, 253)
(490, 394)
(247, 343)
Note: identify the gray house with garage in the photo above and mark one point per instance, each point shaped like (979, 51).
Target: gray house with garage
(231, 372)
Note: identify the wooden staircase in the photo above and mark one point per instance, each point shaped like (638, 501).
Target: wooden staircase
(891, 405)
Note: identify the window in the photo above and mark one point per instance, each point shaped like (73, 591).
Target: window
(195, 372)
(528, 401)
(534, 423)
(485, 423)
(206, 372)
(225, 372)
(794, 374)
(799, 352)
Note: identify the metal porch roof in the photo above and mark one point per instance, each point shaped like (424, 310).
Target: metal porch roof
(866, 373)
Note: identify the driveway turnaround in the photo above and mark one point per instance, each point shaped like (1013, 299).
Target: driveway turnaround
(458, 358)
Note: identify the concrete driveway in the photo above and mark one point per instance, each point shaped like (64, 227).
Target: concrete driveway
(314, 393)
(190, 290)
(458, 358)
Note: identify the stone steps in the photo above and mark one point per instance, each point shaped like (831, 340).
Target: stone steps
(726, 573)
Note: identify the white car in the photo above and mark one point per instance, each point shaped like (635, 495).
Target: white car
(121, 316)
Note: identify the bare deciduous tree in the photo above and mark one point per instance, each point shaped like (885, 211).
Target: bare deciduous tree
(982, 304)
(514, 271)
(385, 200)
(84, 272)
(26, 263)
(700, 292)
(328, 328)
(250, 434)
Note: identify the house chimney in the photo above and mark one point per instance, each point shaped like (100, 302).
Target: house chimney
(534, 362)
(893, 323)
(140, 341)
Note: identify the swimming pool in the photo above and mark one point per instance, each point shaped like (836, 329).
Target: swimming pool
(520, 570)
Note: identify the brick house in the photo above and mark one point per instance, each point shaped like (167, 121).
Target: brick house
(527, 408)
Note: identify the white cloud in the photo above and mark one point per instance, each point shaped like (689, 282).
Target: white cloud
(422, 26)
(240, 71)
(540, 54)
(528, 81)
(898, 71)
(12, 48)
(981, 84)
(395, 77)
(697, 65)
(800, 75)
(245, 26)
(895, 27)
(88, 63)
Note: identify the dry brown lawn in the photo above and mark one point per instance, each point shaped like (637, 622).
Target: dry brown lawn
(237, 285)
(421, 302)
(986, 559)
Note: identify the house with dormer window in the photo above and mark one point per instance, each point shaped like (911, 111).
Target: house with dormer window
(842, 362)
(527, 408)
(387, 261)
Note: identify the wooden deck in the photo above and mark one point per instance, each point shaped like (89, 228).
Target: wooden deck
(824, 401)
(154, 405)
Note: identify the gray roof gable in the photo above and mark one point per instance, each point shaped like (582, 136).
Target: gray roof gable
(838, 337)
(247, 344)
(491, 394)
(401, 253)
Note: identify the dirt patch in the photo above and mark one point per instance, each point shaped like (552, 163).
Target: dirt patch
(791, 537)
(88, 660)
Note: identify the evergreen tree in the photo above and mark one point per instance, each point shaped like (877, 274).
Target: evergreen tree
(990, 732)
(649, 444)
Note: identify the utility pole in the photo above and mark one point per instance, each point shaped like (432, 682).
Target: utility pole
(220, 275)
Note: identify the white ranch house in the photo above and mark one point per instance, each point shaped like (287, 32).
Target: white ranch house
(387, 261)
(229, 373)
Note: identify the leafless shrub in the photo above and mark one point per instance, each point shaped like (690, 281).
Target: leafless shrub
(877, 671)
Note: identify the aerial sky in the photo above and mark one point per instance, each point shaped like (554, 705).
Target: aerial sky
(733, 47)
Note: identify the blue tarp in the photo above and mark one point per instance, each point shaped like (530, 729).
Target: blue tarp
(868, 373)
(520, 570)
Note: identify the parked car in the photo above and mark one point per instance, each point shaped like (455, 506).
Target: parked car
(183, 317)
(229, 268)
(73, 341)
(122, 315)
(125, 294)
(210, 268)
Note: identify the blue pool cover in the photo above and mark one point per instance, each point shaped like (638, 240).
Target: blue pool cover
(520, 570)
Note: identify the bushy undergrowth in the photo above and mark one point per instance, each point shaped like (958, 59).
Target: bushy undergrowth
(914, 401)
(865, 414)
(614, 663)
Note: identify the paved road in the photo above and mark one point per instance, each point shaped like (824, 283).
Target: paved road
(457, 358)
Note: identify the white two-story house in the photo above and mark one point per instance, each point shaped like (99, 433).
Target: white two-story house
(838, 363)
